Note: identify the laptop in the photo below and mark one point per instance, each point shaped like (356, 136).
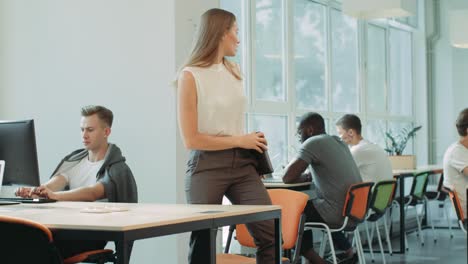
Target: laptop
(270, 179)
(2, 171)
(26, 200)
(17, 200)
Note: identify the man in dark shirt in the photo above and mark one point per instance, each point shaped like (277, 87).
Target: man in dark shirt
(333, 171)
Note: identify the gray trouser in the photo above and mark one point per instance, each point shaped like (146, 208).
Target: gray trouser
(231, 173)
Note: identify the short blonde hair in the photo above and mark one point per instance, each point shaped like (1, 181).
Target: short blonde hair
(104, 114)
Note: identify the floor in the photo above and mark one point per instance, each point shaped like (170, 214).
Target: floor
(445, 250)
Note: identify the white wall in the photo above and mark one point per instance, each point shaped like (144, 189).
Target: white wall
(56, 56)
(451, 83)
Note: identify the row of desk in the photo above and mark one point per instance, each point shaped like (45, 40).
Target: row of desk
(142, 221)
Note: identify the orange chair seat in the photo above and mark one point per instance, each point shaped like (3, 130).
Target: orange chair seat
(238, 259)
(81, 257)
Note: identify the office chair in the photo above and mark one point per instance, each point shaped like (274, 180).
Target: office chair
(383, 194)
(416, 197)
(458, 208)
(292, 218)
(439, 196)
(355, 208)
(27, 241)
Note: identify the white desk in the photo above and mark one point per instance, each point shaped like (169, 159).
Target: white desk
(142, 221)
(433, 168)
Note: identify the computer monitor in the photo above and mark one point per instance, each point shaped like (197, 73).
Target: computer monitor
(18, 150)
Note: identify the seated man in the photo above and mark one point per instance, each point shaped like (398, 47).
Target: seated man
(456, 160)
(333, 172)
(96, 172)
(372, 161)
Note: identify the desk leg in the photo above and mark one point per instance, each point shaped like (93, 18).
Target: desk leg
(278, 240)
(123, 251)
(213, 232)
(402, 215)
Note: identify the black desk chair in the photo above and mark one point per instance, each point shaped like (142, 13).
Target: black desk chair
(439, 196)
(415, 197)
(31, 242)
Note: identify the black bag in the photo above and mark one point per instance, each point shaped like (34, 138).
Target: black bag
(263, 162)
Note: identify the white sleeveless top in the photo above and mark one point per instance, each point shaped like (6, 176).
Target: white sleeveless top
(221, 102)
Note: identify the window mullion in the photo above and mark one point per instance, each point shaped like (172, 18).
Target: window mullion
(328, 71)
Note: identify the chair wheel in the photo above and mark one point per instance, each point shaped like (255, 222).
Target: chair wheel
(373, 261)
(435, 240)
(391, 254)
(422, 244)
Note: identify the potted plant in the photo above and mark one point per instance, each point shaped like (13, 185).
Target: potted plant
(397, 145)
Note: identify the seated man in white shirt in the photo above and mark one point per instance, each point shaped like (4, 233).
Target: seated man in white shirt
(456, 160)
(96, 172)
(372, 161)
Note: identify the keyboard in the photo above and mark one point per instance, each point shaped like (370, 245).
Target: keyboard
(28, 200)
(272, 180)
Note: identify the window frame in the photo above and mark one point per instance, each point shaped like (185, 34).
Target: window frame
(288, 108)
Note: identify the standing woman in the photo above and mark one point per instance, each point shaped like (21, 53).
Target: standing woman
(211, 112)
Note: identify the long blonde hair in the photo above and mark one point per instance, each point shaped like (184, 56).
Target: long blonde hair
(214, 23)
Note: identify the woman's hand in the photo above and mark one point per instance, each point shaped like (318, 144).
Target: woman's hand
(255, 140)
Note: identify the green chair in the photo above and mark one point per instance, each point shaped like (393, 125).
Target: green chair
(383, 194)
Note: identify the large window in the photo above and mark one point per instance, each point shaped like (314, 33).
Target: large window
(400, 100)
(269, 59)
(376, 69)
(344, 66)
(306, 55)
(310, 59)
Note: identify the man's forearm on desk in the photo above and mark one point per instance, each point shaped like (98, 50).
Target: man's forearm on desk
(294, 172)
(305, 177)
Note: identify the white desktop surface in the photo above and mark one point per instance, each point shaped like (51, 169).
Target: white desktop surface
(141, 221)
(68, 215)
(435, 168)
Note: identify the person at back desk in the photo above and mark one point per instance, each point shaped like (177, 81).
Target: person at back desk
(96, 172)
(333, 172)
(372, 161)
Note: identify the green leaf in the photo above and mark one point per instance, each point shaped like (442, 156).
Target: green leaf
(400, 139)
